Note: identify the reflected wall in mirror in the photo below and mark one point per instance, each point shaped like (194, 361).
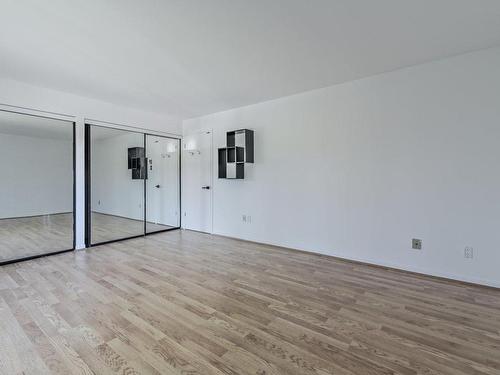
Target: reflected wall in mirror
(36, 187)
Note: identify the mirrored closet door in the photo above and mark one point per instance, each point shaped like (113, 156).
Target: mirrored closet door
(116, 184)
(162, 183)
(36, 186)
(133, 184)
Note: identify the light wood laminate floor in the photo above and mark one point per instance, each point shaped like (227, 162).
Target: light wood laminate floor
(188, 303)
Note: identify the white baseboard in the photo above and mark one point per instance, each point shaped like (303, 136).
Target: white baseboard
(445, 275)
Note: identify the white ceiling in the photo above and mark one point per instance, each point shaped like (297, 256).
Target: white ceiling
(194, 57)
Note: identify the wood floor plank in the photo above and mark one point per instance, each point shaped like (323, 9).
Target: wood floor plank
(191, 303)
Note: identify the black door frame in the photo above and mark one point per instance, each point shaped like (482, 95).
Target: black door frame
(23, 259)
(88, 182)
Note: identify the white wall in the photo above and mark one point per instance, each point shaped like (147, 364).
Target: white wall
(359, 169)
(33, 99)
(37, 176)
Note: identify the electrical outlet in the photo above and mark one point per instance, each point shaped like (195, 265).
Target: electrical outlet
(469, 252)
(416, 244)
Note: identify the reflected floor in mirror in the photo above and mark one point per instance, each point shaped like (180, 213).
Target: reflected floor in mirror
(28, 236)
(38, 235)
(107, 227)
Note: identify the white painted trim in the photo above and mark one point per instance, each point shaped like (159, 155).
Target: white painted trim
(211, 179)
(37, 112)
(80, 184)
(113, 125)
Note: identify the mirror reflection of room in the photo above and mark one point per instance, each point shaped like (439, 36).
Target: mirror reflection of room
(36, 187)
(134, 184)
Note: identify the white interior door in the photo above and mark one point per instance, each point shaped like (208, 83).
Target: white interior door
(197, 181)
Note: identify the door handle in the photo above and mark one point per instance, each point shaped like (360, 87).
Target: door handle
(157, 186)
(206, 187)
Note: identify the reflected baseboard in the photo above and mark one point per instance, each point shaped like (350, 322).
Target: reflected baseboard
(131, 218)
(38, 215)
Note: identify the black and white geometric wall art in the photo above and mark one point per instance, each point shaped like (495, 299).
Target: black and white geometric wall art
(238, 151)
(137, 163)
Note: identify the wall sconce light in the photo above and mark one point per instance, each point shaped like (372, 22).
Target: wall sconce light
(171, 148)
(191, 148)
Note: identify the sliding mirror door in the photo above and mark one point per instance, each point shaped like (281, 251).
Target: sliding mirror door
(36, 186)
(132, 184)
(162, 183)
(117, 173)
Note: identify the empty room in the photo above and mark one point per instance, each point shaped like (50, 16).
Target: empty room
(226, 187)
